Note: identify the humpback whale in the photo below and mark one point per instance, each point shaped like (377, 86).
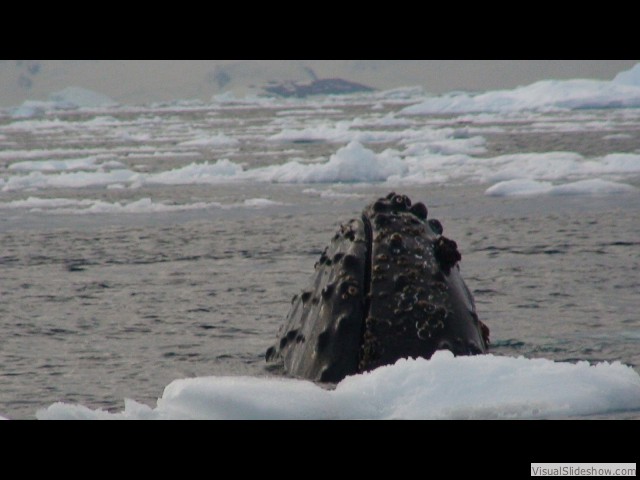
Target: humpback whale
(387, 287)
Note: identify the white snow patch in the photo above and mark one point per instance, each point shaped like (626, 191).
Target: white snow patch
(219, 140)
(521, 187)
(260, 202)
(194, 173)
(441, 159)
(344, 131)
(300, 111)
(445, 387)
(39, 180)
(86, 163)
(330, 193)
(595, 186)
(388, 120)
(353, 163)
(60, 206)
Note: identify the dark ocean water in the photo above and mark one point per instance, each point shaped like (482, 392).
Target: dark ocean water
(101, 307)
(97, 309)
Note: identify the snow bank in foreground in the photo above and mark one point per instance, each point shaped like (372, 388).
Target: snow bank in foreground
(622, 92)
(596, 186)
(445, 387)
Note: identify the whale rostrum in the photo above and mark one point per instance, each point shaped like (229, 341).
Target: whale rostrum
(387, 287)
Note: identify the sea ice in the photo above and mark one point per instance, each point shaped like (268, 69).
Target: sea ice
(622, 92)
(594, 186)
(444, 387)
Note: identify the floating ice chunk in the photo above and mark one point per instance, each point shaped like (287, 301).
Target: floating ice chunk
(353, 163)
(595, 186)
(329, 132)
(619, 163)
(87, 163)
(542, 95)
(331, 193)
(343, 131)
(143, 205)
(219, 140)
(432, 156)
(37, 180)
(196, 173)
(260, 202)
(445, 387)
(40, 203)
(513, 188)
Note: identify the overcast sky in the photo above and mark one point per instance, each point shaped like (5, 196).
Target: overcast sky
(138, 81)
(445, 75)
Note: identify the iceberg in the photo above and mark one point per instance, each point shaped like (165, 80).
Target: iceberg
(622, 92)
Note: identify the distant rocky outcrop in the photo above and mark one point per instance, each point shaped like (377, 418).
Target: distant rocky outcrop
(324, 86)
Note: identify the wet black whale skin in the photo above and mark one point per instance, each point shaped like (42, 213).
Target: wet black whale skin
(387, 287)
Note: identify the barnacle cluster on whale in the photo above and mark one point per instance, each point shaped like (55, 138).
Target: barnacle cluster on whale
(388, 286)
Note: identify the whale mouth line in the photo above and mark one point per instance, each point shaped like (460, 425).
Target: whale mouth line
(368, 233)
